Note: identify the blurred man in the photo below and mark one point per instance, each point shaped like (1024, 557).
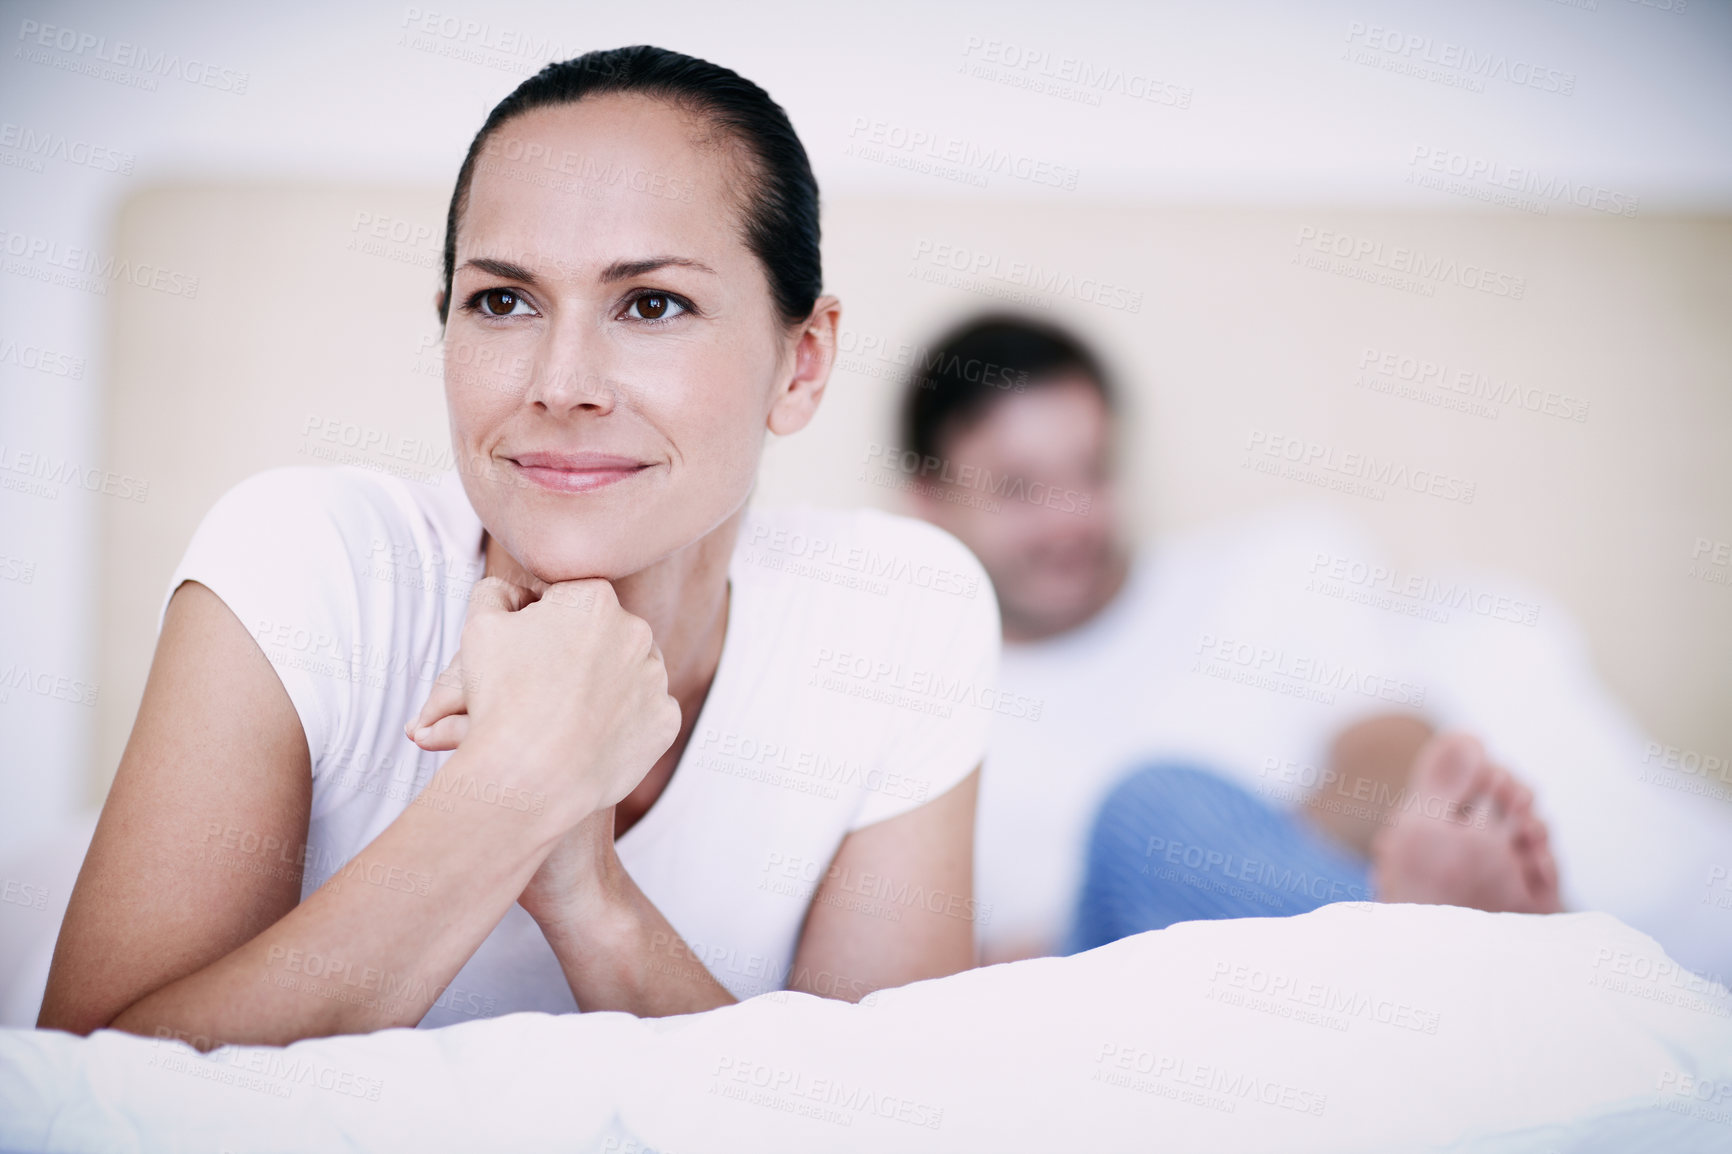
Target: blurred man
(1155, 707)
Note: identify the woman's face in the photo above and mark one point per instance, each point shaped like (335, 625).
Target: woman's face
(613, 354)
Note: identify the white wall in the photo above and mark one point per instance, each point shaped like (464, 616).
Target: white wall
(1265, 102)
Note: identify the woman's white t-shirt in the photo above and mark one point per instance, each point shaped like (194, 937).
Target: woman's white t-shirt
(856, 682)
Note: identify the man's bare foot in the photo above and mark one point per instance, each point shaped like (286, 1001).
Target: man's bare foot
(1465, 835)
(1366, 777)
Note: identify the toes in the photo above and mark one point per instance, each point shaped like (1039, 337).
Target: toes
(1490, 851)
(1509, 793)
(1489, 805)
(1542, 872)
(1532, 832)
(1532, 845)
(1452, 767)
(1521, 800)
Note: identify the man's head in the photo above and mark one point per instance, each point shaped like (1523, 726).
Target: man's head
(1019, 412)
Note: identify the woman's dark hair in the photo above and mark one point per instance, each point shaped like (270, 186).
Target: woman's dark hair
(781, 209)
(981, 361)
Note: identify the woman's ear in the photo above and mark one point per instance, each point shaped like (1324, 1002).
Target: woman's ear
(814, 356)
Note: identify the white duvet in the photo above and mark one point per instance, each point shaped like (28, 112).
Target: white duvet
(1354, 1028)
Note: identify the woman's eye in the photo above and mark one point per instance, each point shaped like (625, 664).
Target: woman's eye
(499, 302)
(655, 307)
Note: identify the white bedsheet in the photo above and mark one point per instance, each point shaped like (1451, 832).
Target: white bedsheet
(1354, 1028)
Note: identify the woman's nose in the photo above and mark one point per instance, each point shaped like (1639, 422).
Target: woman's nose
(570, 373)
(562, 388)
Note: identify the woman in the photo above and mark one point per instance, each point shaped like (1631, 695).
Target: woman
(681, 751)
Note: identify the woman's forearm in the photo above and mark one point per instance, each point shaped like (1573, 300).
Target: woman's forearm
(619, 953)
(376, 944)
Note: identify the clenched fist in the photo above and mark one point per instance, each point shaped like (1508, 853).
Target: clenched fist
(564, 695)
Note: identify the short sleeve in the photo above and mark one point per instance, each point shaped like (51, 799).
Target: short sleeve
(952, 648)
(274, 550)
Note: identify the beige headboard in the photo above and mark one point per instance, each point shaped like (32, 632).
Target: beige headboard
(1597, 351)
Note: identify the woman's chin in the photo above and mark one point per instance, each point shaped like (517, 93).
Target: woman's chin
(548, 564)
(553, 570)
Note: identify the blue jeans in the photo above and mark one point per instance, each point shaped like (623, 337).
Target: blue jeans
(1175, 843)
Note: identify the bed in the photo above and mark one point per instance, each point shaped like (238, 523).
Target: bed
(1358, 1027)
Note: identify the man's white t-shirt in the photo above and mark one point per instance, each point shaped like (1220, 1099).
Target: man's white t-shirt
(1227, 649)
(856, 680)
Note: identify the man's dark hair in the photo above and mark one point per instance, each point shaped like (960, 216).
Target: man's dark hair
(781, 194)
(981, 361)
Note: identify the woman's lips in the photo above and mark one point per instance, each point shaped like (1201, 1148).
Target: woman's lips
(576, 472)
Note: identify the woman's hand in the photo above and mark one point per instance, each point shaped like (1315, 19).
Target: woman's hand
(567, 693)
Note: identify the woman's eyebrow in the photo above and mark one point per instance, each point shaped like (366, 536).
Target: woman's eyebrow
(501, 268)
(617, 271)
(626, 269)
